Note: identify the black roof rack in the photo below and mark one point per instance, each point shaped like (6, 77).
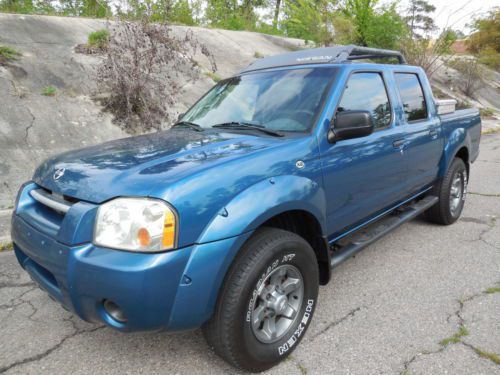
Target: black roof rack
(324, 55)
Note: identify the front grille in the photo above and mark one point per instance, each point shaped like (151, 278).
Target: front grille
(59, 203)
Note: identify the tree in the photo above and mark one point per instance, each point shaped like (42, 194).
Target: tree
(419, 18)
(485, 39)
(276, 13)
(84, 8)
(386, 29)
(361, 12)
(376, 27)
(27, 6)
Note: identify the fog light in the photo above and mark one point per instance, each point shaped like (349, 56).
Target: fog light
(114, 311)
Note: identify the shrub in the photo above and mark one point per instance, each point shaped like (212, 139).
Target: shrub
(215, 77)
(143, 72)
(8, 54)
(98, 39)
(6, 246)
(486, 112)
(471, 75)
(49, 91)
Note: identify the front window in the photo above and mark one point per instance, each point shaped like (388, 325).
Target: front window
(366, 91)
(283, 100)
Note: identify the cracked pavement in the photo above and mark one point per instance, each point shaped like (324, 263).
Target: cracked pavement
(385, 311)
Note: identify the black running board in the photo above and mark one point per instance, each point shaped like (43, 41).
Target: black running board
(353, 244)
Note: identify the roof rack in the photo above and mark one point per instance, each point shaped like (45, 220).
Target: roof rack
(358, 53)
(325, 55)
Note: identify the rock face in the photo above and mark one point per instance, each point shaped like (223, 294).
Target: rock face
(34, 127)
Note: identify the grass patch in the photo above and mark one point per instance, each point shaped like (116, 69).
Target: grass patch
(8, 54)
(302, 369)
(462, 331)
(493, 290)
(6, 246)
(98, 39)
(215, 77)
(491, 131)
(258, 55)
(491, 356)
(486, 112)
(49, 91)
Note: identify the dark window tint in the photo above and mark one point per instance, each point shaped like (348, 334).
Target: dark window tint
(366, 91)
(412, 96)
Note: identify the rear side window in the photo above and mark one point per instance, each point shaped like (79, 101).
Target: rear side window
(412, 96)
(366, 91)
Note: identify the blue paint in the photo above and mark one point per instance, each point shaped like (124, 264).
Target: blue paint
(224, 184)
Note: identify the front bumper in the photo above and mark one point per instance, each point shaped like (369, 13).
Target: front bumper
(173, 290)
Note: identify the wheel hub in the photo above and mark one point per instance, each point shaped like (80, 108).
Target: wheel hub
(456, 191)
(277, 304)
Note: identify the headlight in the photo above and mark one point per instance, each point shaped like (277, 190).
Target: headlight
(136, 224)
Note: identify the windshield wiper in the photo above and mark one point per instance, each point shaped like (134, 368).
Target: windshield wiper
(237, 125)
(188, 124)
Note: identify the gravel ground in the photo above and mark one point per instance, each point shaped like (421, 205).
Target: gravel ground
(386, 311)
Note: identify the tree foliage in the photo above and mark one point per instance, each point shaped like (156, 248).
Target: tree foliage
(485, 40)
(419, 18)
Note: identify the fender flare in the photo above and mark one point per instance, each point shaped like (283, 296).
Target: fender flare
(263, 200)
(456, 140)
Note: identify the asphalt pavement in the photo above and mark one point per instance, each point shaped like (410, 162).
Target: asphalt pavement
(425, 299)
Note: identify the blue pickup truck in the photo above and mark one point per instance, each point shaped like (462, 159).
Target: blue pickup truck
(231, 219)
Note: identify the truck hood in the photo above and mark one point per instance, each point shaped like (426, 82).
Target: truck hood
(135, 166)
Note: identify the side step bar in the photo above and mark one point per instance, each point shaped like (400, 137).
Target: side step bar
(353, 244)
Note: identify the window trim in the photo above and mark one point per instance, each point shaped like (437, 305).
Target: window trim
(427, 112)
(381, 74)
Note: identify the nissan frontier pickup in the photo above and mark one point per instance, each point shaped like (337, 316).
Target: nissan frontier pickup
(232, 218)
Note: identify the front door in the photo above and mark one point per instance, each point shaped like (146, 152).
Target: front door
(363, 176)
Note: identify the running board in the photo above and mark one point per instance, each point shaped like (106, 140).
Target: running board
(353, 244)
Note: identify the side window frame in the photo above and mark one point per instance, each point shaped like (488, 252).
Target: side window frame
(381, 75)
(427, 112)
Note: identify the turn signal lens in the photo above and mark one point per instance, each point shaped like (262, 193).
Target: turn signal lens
(144, 237)
(169, 230)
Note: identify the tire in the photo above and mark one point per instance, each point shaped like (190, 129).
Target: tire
(451, 191)
(270, 262)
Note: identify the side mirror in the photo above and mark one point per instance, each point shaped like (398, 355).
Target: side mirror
(350, 124)
(180, 116)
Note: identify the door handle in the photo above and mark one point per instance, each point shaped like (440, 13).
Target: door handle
(433, 132)
(398, 144)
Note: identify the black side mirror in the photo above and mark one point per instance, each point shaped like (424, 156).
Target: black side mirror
(350, 124)
(180, 116)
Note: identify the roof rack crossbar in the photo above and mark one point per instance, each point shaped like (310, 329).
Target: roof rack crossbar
(359, 53)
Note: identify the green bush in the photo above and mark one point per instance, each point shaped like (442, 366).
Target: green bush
(491, 58)
(8, 54)
(486, 112)
(49, 91)
(215, 77)
(98, 39)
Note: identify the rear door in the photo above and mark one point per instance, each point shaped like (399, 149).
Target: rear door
(423, 142)
(363, 176)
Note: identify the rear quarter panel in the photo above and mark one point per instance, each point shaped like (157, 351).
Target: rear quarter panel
(461, 128)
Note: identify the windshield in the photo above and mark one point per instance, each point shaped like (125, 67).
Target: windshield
(283, 100)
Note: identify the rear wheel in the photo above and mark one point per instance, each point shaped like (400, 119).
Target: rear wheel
(451, 192)
(267, 301)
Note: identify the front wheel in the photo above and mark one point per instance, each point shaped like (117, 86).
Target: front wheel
(451, 192)
(266, 302)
